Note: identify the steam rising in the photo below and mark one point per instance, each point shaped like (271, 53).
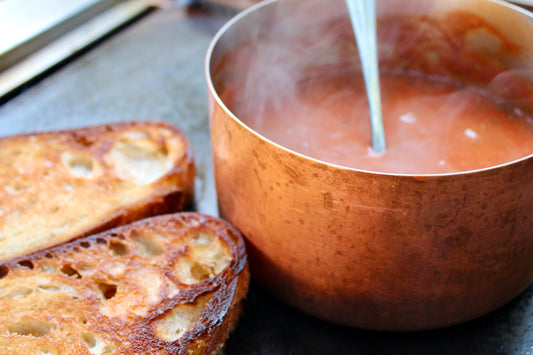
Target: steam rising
(297, 80)
(285, 50)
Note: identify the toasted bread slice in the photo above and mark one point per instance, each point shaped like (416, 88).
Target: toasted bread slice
(60, 186)
(169, 284)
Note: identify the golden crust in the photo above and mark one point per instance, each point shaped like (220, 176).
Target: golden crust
(170, 284)
(63, 185)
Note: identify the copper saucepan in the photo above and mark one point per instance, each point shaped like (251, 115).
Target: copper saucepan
(368, 249)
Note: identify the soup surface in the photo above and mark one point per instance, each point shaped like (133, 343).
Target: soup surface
(302, 88)
(430, 126)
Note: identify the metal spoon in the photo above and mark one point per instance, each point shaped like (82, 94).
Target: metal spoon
(363, 16)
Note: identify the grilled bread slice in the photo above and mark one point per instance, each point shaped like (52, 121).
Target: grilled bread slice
(170, 284)
(62, 185)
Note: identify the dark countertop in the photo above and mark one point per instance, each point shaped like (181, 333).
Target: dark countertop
(154, 69)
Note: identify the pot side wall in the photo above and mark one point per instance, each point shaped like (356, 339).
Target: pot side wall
(375, 251)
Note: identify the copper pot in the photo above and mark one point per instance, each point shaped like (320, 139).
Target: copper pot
(368, 249)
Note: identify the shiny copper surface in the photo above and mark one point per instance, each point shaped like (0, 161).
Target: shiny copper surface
(370, 250)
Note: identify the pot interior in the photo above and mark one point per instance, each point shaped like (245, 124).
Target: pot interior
(456, 80)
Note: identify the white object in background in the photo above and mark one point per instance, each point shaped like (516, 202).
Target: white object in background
(42, 53)
(523, 2)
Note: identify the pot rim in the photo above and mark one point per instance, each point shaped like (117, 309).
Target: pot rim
(256, 7)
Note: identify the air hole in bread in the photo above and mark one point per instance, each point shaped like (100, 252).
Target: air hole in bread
(68, 270)
(26, 263)
(49, 256)
(101, 241)
(147, 245)
(118, 248)
(200, 272)
(78, 165)
(85, 245)
(49, 288)
(140, 161)
(16, 292)
(190, 271)
(201, 239)
(107, 290)
(85, 267)
(3, 271)
(95, 345)
(89, 339)
(178, 320)
(33, 327)
(54, 288)
(214, 257)
(117, 236)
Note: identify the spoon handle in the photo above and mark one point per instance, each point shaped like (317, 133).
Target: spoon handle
(363, 16)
